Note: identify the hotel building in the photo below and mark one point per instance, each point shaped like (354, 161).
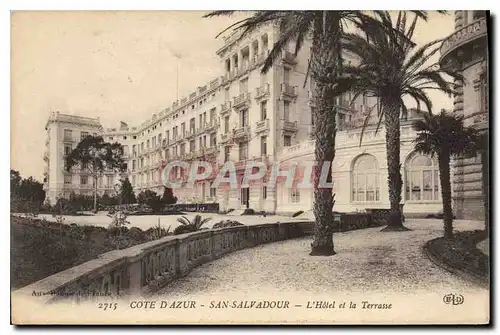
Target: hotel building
(246, 115)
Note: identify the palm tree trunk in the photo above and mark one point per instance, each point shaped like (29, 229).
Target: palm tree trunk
(444, 176)
(394, 180)
(324, 69)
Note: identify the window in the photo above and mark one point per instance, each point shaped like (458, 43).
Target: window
(133, 165)
(212, 116)
(201, 142)
(125, 150)
(244, 117)
(422, 179)
(183, 129)
(243, 151)
(204, 141)
(244, 86)
(263, 145)
(192, 125)
(287, 141)
(192, 146)
(84, 180)
(68, 135)
(365, 99)
(226, 124)
(286, 110)
(226, 153)
(133, 180)
(213, 192)
(365, 179)
(264, 192)
(201, 121)
(295, 196)
(67, 149)
(483, 93)
(83, 134)
(67, 179)
(183, 148)
(263, 110)
(286, 75)
(213, 140)
(134, 137)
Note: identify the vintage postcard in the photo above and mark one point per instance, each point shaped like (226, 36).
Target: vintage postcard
(255, 167)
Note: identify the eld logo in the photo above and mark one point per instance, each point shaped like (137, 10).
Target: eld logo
(453, 299)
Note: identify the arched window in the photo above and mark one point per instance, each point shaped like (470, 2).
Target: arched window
(365, 179)
(422, 179)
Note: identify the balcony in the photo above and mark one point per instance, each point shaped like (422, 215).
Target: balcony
(290, 126)
(241, 134)
(462, 42)
(225, 108)
(288, 91)
(262, 126)
(224, 138)
(190, 134)
(211, 127)
(241, 164)
(262, 92)
(164, 143)
(210, 151)
(242, 100)
(245, 66)
(289, 58)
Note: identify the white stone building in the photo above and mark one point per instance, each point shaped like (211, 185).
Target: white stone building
(245, 115)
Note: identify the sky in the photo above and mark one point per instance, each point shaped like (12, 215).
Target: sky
(119, 66)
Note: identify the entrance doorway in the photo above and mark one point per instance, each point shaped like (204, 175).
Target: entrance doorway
(245, 197)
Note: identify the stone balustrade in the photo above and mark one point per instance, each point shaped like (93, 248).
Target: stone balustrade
(145, 268)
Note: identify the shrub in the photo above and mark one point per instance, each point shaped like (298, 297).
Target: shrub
(297, 214)
(155, 233)
(184, 229)
(248, 211)
(137, 234)
(227, 223)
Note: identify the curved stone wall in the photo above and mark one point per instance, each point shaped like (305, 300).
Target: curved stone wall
(145, 268)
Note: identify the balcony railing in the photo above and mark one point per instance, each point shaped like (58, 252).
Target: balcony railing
(241, 133)
(476, 29)
(212, 126)
(262, 126)
(290, 126)
(288, 90)
(225, 107)
(225, 137)
(262, 91)
(210, 150)
(241, 100)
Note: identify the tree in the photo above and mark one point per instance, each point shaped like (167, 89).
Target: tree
(95, 156)
(325, 68)
(188, 226)
(27, 194)
(445, 136)
(127, 192)
(391, 67)
(151, 199)
(168, 197)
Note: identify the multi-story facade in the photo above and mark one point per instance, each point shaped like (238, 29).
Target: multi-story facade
(245, 115)
(466, 51)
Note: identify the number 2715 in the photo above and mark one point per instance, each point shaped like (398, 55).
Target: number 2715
(108, 306)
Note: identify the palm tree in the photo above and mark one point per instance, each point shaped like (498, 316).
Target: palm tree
(325, 68)
(444, 135)
(392, 68)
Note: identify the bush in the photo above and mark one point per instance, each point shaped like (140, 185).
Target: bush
(297, 214)
(248, 211)
(184, 229)
(226, 224)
